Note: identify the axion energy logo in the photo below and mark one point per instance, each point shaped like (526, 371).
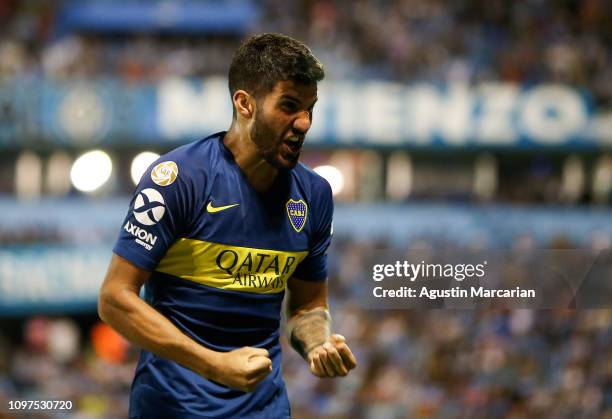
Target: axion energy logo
(149, 207)
(143, 237)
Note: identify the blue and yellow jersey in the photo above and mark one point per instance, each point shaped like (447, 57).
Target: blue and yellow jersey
(220, 254)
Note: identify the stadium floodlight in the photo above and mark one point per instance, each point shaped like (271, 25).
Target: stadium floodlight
(333, 175)
(91, 170)
(140, 164)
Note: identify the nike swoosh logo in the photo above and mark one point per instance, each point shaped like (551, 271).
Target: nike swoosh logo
(210, 207)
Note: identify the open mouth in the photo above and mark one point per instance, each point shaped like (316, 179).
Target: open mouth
(294, 144)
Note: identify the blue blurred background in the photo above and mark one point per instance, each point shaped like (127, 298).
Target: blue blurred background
(468, 124)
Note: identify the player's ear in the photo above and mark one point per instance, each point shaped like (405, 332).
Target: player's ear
(244, 104)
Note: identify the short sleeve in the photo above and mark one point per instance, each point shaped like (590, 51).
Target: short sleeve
(157, 216)
(314, 266)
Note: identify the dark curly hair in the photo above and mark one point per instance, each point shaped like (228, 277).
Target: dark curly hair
(263, 60)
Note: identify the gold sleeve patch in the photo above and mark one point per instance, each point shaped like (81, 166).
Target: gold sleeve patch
(164, 173)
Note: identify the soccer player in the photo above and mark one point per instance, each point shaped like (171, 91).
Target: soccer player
(217, 230)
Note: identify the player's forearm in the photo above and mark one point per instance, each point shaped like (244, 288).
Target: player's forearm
(309, 329)
(144, 326)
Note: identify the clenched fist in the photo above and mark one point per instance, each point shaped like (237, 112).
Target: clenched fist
(333, 358)
(243, 368)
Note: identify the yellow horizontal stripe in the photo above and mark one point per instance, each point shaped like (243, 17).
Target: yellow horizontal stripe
(229, 267)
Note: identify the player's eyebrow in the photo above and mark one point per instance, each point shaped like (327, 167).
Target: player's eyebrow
(291, 97)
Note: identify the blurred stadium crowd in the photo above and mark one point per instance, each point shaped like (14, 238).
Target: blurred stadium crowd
(493, 363)
(421, 364)
(489, 363)
(411, 40)
(470, 42)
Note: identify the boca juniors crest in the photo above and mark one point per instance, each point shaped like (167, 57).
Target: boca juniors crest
(297, 211)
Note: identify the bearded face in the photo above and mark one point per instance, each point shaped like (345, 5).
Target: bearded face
(282, 119)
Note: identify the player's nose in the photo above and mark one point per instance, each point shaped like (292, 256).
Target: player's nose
(302, 122)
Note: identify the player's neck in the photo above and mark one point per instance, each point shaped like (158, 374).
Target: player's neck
(259, 173)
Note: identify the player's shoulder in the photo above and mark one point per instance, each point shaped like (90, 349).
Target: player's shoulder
(310, 180)
(194, 159)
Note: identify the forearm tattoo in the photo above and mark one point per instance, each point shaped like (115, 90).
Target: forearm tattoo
(309, 329)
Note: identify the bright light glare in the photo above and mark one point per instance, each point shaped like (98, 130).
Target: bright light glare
(333, 175)
(91, 170)
(140, 164)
